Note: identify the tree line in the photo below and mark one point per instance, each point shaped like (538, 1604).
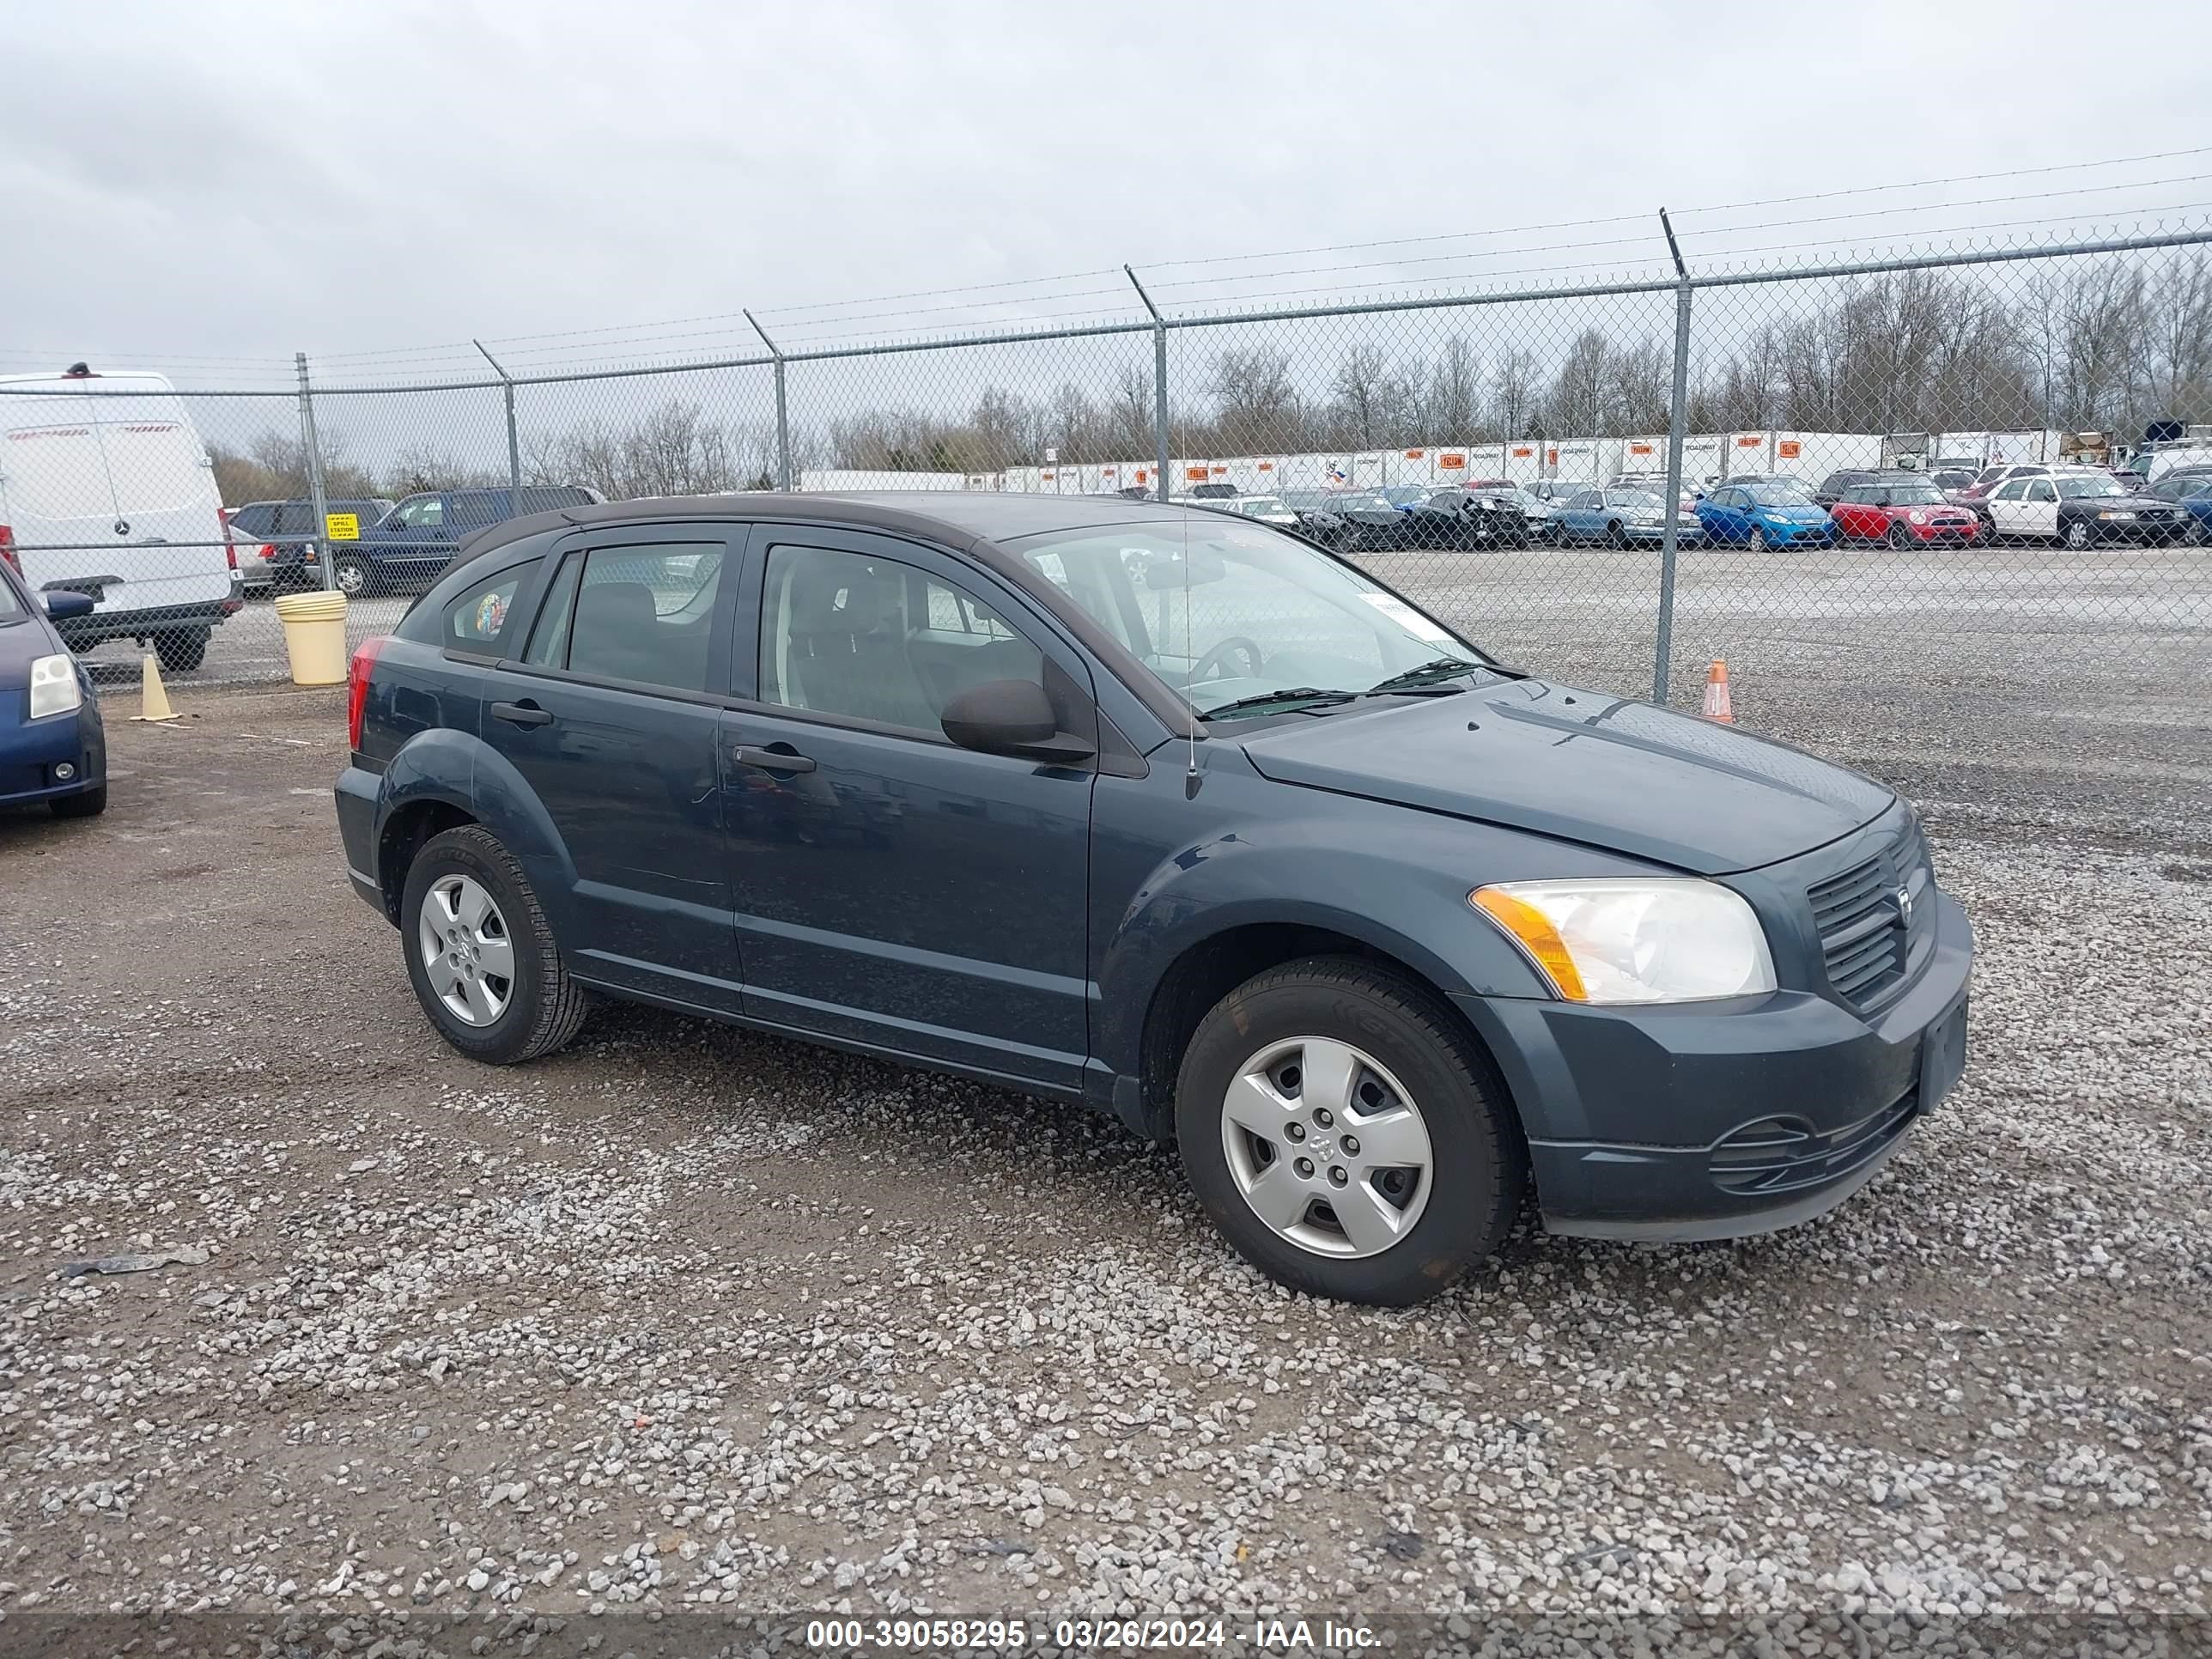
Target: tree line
(2101, 345)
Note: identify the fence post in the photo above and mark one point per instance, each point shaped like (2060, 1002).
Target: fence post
(782, 411)
(513, 439)
(316, 494)
(1159, 387)
(1677, 416)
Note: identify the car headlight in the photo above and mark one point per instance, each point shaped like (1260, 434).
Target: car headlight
(1917, 516)
(2116, 515)
(54, 690)
(1669, 939)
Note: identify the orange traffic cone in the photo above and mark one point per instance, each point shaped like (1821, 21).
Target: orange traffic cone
(1716, 694)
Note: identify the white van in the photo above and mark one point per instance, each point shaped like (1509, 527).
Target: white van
(107, 489)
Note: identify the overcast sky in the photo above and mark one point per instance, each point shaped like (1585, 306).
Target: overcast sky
(220, 181)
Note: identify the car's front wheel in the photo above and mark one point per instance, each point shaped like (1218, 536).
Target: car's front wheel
(481, 954)
(1346, 1134)
(2077, 535)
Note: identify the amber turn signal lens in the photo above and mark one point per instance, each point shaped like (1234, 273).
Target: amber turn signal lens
(1532, 928)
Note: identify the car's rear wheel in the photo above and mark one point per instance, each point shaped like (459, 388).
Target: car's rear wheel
(480, 953)
(181, 649)
(89, 804)
(1346, 1134)
(351, 575)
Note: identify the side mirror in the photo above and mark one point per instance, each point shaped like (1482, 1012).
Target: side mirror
(63, 605)
(1012, 717)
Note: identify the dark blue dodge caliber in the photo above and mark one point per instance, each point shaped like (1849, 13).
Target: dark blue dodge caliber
(1173, 814)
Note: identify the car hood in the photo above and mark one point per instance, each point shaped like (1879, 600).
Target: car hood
(1809, 513)
(1582, 766)
(2121, 504)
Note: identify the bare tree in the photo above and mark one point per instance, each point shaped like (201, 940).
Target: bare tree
(1453, 409)
(1256, 405)
(1579, 402)
(1517, 391)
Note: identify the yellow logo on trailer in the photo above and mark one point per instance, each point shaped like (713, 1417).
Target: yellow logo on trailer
(343, 527)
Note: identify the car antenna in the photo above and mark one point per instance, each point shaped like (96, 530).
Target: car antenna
(1190, 778)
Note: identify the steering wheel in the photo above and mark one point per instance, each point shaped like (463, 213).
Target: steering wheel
(1218, 658)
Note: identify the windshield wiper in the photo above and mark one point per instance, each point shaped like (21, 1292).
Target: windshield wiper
(1307, 695)
(1443, 668)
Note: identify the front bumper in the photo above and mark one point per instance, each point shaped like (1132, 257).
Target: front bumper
(1685, 535)
(1721, 1120)
(30, 751)
(1957, 534)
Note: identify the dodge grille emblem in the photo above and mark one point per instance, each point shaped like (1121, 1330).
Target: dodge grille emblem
(1905, 905)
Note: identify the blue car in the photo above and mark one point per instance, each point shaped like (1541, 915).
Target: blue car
(2192, 491)
(1765, 515)
(1166, 813)
(407, 548)
(52, 747)
(1621, 517)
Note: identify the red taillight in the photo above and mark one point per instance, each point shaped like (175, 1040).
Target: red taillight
(267, 550)
(357, 676)
(7, 547)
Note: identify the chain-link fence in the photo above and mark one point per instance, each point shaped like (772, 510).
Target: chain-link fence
(1998, 461)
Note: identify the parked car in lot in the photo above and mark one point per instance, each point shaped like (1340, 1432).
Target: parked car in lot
(410, 544)
(1212, 492)
(1340, 518)
(1473, 519)
(1620, 517)
(1267, 510)
(1990, 477)
(2082, 506)
(1372, 925)
(1760, 515)
(1903, 509)
(105, 489)
(277, 540)
(2192, 493)
(52, 746)
(1833, 486)
(1556, 493)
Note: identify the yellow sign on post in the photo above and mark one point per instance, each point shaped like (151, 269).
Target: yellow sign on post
(343, 527)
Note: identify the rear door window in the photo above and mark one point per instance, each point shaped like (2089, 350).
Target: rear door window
(642, 614)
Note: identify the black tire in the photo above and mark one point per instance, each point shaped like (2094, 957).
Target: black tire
(181, 650)
(1899, 538)
(1479, 1162)
(2078, 535)
(89, 805)
(1616, 537)
(546, 1008)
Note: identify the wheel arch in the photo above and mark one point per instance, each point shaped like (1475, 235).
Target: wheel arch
(1208, 969)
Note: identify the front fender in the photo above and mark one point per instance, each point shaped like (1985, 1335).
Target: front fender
(1394, 879)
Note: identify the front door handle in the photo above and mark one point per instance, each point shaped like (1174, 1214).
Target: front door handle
(522, 714)
(780, 759)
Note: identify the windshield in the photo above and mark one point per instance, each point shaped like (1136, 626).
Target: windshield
(1226, 611)
(1404, 494)
(1776, 495)
(1355, 500)
(1641, 499)
(1258, 504)
(2078, 489)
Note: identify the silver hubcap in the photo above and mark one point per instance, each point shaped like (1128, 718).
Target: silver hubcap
(1326, 1146)
(351, 579)
(466, 953)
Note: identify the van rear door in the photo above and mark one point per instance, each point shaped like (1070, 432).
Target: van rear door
(110, 487)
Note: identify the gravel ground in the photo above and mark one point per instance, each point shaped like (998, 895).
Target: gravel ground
(685, 1326)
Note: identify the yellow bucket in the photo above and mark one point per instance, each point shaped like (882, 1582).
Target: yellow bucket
(315, 636)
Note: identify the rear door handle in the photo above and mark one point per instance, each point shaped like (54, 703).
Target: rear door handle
(522, 714)
(774, 759)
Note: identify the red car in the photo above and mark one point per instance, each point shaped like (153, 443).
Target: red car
(1902, 511)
